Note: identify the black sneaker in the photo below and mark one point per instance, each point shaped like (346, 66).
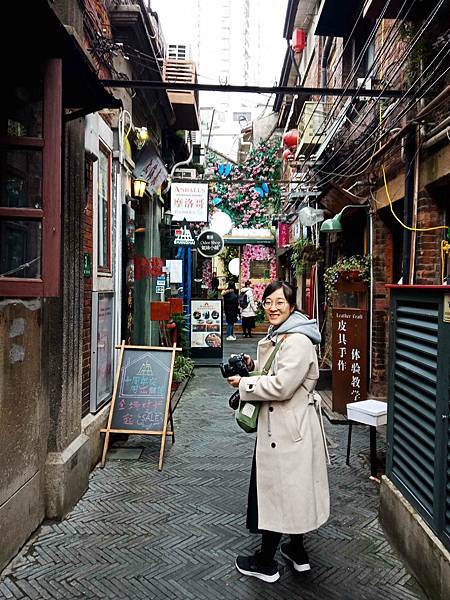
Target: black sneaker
(249, 565)
(299, 559)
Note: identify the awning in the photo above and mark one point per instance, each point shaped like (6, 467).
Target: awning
(337, 18)
(33, 30)
(334, 198)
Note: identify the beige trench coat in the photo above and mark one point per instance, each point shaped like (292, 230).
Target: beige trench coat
(291, 463)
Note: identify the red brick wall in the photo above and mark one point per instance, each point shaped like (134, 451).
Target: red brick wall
(87, 248)
(428, 252)
(382, 273)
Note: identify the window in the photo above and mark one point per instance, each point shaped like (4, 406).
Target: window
(104, 210)
(30, 173)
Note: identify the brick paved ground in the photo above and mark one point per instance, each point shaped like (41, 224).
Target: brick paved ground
(141, 534)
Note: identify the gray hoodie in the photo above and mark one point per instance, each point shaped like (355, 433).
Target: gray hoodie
(297, 322)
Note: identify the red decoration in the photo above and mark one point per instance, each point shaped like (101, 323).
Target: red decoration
(290, 138)
(287, 154)
(159, 311)
(147, 267)
(298, 40)
(176, 306)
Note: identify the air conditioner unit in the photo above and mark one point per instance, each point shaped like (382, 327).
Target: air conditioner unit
(311, 124)
(185, 174)
(196, 137)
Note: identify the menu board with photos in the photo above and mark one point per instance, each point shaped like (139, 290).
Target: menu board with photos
(206, 328)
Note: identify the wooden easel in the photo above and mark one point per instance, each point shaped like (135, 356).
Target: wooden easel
(167, 410)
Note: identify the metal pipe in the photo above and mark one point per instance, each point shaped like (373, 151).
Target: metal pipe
(255, 89)
(324, 63)
(410, 149)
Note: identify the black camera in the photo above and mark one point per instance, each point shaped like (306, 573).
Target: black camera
(235, 366)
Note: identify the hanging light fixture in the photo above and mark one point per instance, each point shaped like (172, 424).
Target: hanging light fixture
(139, 187)
(334, 224)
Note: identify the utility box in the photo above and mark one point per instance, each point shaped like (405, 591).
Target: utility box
(418, 402)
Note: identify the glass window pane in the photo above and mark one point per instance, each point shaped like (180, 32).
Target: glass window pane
(103, 210)
(20, 248)
(23, 102)
(21, 178)
(104, 348)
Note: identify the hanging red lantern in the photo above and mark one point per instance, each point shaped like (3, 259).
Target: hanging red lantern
(287, 154)
(298, 40)
(290, 138)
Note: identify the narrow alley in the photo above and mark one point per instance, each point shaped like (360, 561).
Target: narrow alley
(142, 534)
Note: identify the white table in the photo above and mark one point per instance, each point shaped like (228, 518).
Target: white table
(372, 413)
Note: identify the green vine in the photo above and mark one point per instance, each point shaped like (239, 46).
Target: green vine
(353, 268)
(303, 255)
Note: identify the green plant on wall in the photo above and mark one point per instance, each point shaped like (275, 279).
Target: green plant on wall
(304, 254)
(352, 268)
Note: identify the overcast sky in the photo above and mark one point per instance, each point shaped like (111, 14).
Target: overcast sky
(177, 19)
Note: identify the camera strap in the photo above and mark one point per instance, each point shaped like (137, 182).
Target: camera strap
(271, 358)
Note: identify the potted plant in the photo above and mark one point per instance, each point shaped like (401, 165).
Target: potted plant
(303, 255)
(352, 268)
(182, 370)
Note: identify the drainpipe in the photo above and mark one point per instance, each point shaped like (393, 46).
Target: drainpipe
(410, 150)
(324, 64)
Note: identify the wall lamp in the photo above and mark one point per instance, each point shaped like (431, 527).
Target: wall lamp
(334, 224)
(139, 187)
(167, 218)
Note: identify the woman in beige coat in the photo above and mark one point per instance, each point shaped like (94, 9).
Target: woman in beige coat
(289, 484)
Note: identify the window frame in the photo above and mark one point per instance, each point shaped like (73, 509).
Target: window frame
(102, 269)
(50, 214)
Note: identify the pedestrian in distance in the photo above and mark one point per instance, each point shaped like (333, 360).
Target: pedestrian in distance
(248, 308)
(288, 492)
(231, 308)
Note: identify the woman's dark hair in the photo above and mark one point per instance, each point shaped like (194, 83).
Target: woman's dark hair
(231, 285)
(248, 282)
(288, 291)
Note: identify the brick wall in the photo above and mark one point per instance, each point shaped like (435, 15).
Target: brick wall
(87, 320)
(428, 252)
(382, 273)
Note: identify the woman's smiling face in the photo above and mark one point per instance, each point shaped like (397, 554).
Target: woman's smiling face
(277, 308)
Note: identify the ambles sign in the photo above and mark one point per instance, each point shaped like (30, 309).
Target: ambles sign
(189, 201)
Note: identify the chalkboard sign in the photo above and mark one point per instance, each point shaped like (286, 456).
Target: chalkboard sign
(141, 397)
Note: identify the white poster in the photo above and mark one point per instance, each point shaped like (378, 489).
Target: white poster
(189, 201)
(175, 270)
(206, 324)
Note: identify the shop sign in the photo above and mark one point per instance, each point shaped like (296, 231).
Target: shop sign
(209, 243)
(150, 168)
(206, 329)
(189, 201)
(183, 237)
(349, 338)
(87, 265)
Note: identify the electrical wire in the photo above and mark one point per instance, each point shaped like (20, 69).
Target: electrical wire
(397, 120)
(416, 38)
(354, 70)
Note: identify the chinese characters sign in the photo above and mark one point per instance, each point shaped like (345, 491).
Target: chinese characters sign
(349, 357)
(142, 391)
(189, 201)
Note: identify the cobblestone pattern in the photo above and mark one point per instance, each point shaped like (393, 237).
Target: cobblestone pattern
(141, 534)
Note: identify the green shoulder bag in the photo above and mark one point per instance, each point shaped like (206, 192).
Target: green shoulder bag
(248, 412)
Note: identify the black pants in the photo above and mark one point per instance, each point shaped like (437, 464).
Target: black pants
(270, 541)
(247, 325)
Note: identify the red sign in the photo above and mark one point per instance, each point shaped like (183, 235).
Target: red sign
(159, 311)
(283, 235)
(349, 357)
